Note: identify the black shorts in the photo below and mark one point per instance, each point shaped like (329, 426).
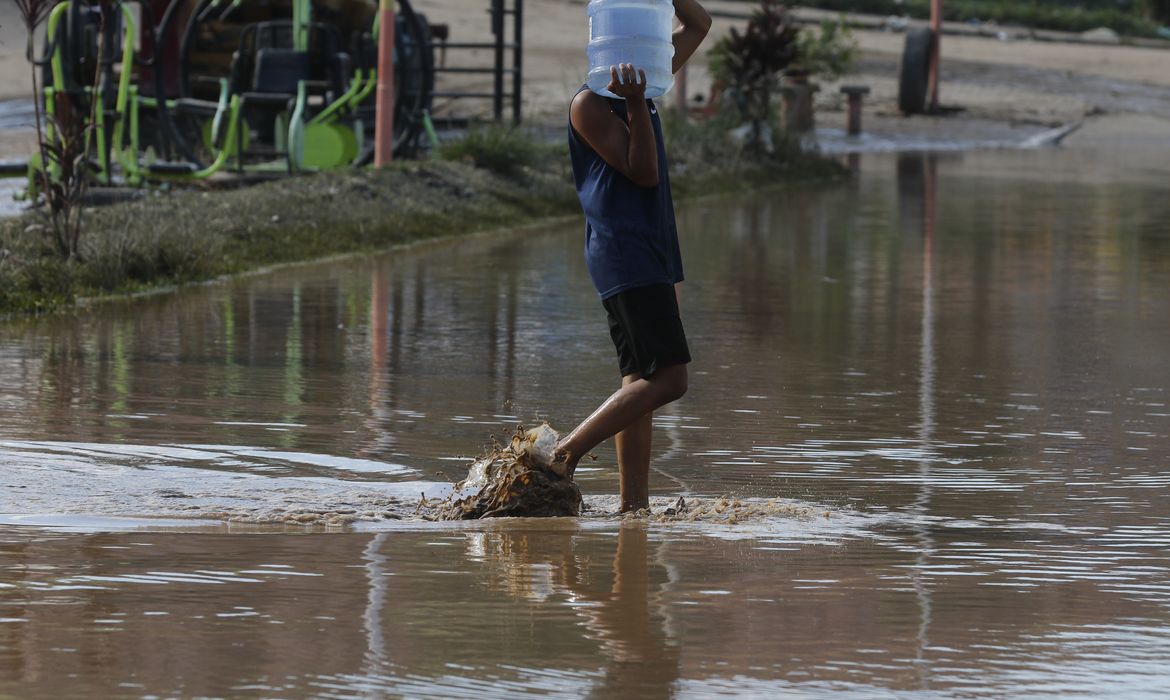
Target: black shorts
(646, 329)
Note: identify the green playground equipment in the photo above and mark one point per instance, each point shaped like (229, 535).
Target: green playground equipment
(225, 86)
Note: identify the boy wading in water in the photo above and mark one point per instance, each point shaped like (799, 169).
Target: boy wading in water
(632, 252)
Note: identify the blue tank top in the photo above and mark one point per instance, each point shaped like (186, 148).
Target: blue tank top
(630, 234)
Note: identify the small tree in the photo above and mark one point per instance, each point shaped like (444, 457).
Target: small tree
(750, 63)
(828, 52)
(62, 174)
(33, 13)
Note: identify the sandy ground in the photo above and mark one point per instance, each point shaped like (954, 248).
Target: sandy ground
(556, 33)
(14, 74)
(1005, 89)
(999, 85)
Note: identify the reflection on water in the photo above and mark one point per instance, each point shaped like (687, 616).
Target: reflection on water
(621, 609)
(555, 608)
(962, 358)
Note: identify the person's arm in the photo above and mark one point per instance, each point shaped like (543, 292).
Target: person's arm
(629, 148)
(695, 23)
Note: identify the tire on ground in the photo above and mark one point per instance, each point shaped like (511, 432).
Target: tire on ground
(914, 75)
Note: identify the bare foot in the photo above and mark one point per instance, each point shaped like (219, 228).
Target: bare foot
(564, 463)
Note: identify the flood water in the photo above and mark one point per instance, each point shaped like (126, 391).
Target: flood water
(940, 390)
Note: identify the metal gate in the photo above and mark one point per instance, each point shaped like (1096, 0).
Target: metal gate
(507, 47)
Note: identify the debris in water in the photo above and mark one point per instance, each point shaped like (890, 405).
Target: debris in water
(729, 511)
(517, 480)
(678, 508)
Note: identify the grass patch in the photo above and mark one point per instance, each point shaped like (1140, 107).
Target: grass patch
(166, 239)
(501, 148)
(705, 158)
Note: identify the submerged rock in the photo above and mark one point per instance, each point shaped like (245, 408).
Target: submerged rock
(516, 480)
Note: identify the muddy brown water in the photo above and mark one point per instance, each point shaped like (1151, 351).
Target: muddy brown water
(938, 393)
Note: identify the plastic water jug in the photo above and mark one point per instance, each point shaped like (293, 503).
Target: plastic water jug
(631, 31)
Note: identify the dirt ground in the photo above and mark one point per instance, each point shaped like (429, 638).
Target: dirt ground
(998, 85)
(556, 33)
(14, 75)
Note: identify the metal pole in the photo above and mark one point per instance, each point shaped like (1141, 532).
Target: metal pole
(517, 59)
(854, 115)
(302, 16)
(936, 39)
(498, 30)
(384, 110)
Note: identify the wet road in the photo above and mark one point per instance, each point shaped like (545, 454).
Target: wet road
(960, 359)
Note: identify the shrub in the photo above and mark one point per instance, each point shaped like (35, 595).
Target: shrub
(749, 64)
(500, 148)
(828, 51)
(691, 142)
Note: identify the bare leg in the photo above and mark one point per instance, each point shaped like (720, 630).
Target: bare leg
(633, 455)
(637, 398)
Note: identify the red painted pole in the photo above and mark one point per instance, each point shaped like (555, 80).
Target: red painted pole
(384, 113)
(936, 30)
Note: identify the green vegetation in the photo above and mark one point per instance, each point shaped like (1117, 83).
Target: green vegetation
(705, 159)
(828, 51)
(1139, 18)
(501, 148)
(170, 238)
(748, 65)
(695, 146)
(59, 166)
